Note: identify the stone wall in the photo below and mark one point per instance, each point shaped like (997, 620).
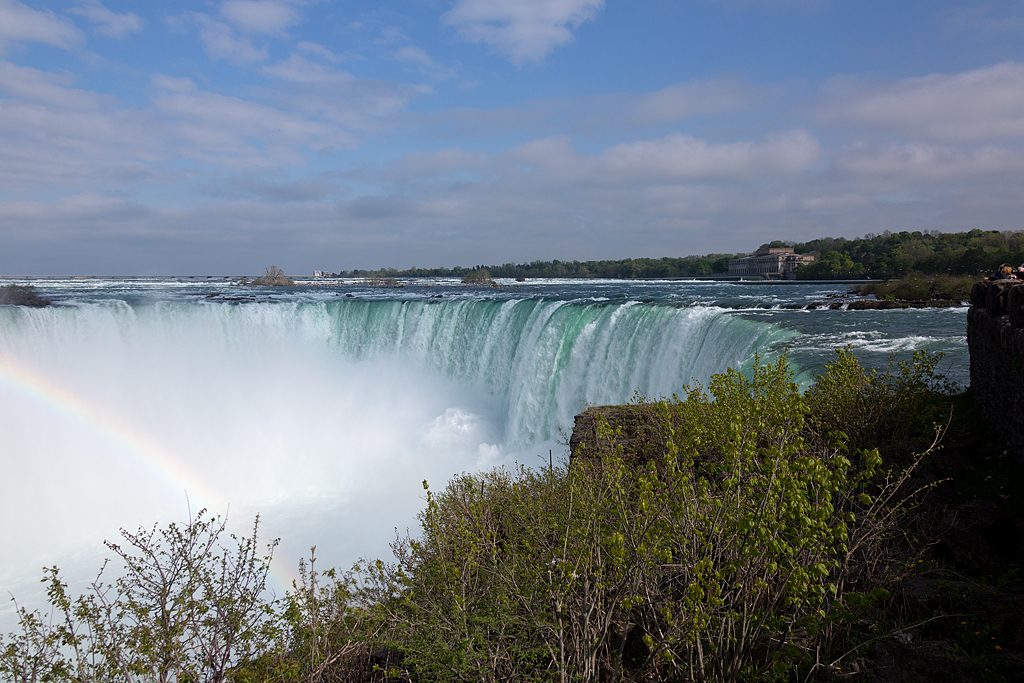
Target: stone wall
(995, 337)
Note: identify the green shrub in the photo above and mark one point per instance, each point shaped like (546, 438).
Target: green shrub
(187, 607)
(895, 410)
(919, 287)
(478, 276)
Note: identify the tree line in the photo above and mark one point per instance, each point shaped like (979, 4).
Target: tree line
(624, 269)
(877, 256)
(896, 254)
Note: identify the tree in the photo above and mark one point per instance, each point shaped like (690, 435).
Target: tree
(273, 277)
(187, 607)
(832, 265)
(478, 276)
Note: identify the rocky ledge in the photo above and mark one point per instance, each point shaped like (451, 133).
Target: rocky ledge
(21, 295)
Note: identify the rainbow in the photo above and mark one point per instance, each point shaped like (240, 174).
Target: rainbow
(59, 400)
(142, 447)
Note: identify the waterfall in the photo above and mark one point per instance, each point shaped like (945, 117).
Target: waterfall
(324, 416)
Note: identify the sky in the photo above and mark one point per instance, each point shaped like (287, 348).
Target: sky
(224, 136)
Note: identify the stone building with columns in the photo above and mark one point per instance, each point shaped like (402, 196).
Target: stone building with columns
(773, 263)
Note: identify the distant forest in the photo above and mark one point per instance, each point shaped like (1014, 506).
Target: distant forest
(888, 255)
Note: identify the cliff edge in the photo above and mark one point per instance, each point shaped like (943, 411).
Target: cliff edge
(995, 338)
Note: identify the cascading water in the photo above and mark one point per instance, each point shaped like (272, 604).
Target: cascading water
(542, 360)
(324, 416)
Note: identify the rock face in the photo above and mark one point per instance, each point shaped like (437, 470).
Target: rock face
(20, 295)
(600, 430)
(995, 338)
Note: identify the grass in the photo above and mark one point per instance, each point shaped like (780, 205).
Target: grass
(920, 287)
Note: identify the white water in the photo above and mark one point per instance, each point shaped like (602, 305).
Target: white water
(323, 417)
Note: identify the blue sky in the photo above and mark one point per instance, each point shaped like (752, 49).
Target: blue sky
(224, 136)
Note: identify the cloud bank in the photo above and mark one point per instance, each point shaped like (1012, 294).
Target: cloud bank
(273, 142)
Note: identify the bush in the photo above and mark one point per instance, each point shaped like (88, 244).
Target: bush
(478, 276)
(919, 287)
(186, 608)
(895, 410)
(274, 277)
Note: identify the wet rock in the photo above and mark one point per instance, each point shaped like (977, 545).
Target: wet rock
(887, 304)
(21, 295)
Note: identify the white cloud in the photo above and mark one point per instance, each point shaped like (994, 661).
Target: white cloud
(162, 82)
(681, 156)
(19, 23)
(984, 20)
(57, 138)
(228, 131)
(922, 162)
(320, 51)
(260, 16)
(391, 34)
(221, 42)
(447, 162)
(338, 96)
(23, 83)
(692, 99)
(414, 55)
(674, 158)
(524, 30)
(300, 70)
(423, 62)
(230, 39)
(970, 107)
(772, 4)
(306, 190)
(108, 23)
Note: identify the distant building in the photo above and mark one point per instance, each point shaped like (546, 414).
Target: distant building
(770, 262)
(320, 273)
